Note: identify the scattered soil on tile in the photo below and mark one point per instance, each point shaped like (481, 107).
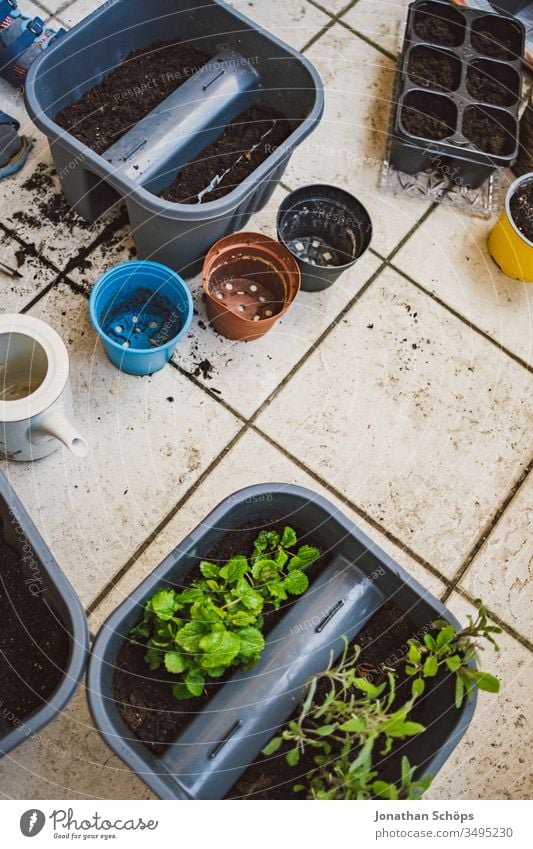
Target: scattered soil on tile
(493, 44)
(144, 698)
(438, 30)
(34, 646)
(522, 209)
(425, 125)
(430, 69)
(383, 641)
(483, 87)
(145, 78)
(242, 147)
(485, 132)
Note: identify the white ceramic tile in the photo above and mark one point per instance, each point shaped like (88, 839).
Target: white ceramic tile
(295, 22)
(17, 291)
(348, 146)
(251, 461)
(150, 439)
(68, 760)
(448, 256)
(492, 760)
(417, 418)
(382, 21)
(502, 572)
(244, 374)
(35, 209)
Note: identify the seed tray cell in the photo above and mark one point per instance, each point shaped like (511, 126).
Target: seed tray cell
(458, 92)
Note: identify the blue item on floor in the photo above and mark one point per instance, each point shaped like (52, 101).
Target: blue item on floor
(140, 309)
(22, 39)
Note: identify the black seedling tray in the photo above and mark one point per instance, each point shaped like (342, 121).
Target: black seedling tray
(454, 102)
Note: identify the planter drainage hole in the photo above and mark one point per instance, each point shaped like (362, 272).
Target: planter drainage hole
(142, 320)
(321, 232)
(251, 300)
(219, 746)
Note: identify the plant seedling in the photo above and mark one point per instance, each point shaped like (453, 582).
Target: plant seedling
(217, 622)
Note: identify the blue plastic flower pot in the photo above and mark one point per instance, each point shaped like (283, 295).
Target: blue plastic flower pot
(140, 310)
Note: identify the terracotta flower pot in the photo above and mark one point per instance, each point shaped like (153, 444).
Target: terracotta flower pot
(249, 281)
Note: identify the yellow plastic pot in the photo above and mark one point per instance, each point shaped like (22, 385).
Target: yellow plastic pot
(508, 247)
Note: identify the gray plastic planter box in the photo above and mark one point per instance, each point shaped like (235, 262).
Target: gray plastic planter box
(228, 734)
(175, 234)
(18, 530)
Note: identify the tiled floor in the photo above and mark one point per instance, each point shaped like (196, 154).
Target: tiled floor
(403, 394)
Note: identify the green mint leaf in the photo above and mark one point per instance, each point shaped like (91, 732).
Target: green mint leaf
(288, 538)
(180, 692)
(195, 682)
(252, 642)
(190, 635)
(296, 582)
(235, 569)
(175, 662)
(453, 663)
(154, 658)
(414, 654)
(209, 570)
(220, 648)
(164, 604)
(264, 568)
(251, 599)
(445, 636)
(307, 554)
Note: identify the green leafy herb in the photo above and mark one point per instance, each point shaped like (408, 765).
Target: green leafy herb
(217, 623)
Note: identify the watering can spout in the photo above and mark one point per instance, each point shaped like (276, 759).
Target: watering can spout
(56, 424)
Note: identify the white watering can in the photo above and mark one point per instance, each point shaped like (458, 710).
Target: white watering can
(35, 395)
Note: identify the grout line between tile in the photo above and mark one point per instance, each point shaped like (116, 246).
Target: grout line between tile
(527, 644)
(365, 38)
(489, 527)
(334, 15)
(461, 317)
(352, 505)
(104, 592)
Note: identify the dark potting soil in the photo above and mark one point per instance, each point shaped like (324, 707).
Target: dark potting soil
(384, 642)
(485, 88)
(432, 70)
(493, 44)
(34, 646)
(243, 146)
(522, 209)
(144, 697)
(145, 78)
(426, 126)
(485, 132)
(437, 30)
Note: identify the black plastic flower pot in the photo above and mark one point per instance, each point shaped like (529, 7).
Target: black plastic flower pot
(50, 597)
(458, 92)
(326, 229)
(248, 67)
(227, 732)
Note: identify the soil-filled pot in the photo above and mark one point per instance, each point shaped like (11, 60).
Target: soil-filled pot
(236, 73)
(44, 637)
(141, 310)
(326, 229)
(249, 281)
(511, 239)
(223, 733)
(458, 93)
